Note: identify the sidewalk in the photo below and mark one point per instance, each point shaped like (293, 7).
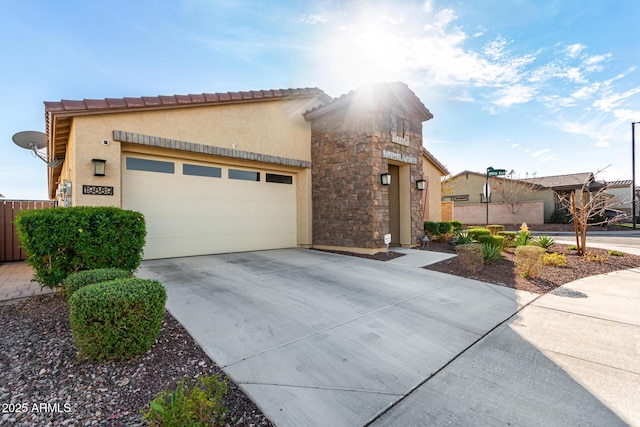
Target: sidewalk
(15, 282)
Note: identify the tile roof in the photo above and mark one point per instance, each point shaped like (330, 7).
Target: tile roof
(399, 89)
(619, 183)
(163, 101)
(569, 180)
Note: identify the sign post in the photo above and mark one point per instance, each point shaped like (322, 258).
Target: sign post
(487, 193)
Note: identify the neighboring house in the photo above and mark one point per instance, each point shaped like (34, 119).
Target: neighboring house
(620, 191)
(240, 171)
(467, 188)
(432, 172)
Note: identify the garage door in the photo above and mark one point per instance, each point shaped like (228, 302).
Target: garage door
(196, 208)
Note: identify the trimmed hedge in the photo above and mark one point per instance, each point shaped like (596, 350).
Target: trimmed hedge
(530, 260)
(75, 281)
(496, 241)
(509, 237)
(60, 241)
(116, 319)
(471, 256)
(456, 225)
(495, 228)
(477, 232)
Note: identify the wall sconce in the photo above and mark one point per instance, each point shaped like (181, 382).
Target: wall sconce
(385, 178)
(421, 184)
(99, 166)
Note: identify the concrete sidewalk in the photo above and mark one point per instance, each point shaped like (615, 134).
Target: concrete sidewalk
(15, 282)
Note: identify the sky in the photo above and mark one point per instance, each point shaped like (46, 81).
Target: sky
(540, 87)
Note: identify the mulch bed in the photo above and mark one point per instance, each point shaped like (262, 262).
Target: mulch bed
(503, 271)
(38, 365)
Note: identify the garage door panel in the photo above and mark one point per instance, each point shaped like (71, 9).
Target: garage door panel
(195, 215)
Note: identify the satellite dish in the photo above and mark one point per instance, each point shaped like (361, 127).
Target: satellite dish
(30, 139)
(34, 141)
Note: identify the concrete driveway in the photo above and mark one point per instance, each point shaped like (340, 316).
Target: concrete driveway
(318, 339)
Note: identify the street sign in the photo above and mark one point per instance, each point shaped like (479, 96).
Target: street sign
(496, 172)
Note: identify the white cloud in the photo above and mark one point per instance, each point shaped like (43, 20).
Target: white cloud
(514, 146)
(544, 155)
(603, 144)
(516, 94)
(314, 19)
(573, 50)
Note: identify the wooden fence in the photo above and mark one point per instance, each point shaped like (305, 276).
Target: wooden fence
(10, 249)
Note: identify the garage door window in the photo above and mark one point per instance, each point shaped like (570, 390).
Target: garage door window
(197, 170)
(279, 179)
(244, 175)
(135, 164)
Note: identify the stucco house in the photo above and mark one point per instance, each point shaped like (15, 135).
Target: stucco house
(466, 189)
(240, 171)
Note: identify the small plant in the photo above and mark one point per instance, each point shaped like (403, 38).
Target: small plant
(555, 259)
(543, 241)
(456, 226)
(462, 239)
(75, 281)
(495, 228)
(523, 239)
(529, 260)
(590, 256)
(470, 256)
(189, 404)
(431, 228)
(509, 238)
(476, 232)
(497, 241)
(615, 253)
(572, 247)
(491, 253)
(116, 319)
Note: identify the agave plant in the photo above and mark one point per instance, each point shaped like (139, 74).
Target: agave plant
(544, 241)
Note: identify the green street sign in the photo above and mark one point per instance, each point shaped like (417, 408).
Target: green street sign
(496, 172)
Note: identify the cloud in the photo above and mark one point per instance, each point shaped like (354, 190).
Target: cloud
(573, 50)
(544, 155)
(514, 146)
(314, 19)
(516, 94)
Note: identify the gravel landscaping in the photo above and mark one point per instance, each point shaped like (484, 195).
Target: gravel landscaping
(42, 382)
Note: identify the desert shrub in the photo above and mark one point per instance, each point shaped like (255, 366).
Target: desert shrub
(529, 260)
(615, 253)
(590, 256)
(490, 253)
(559, 216)
(497, 241)
(572, 247)
(189, 404)
(509, 238)
(116, 319)
(523, 238)
(476, 232)
(555, 259)
(543, 241)
(77, 280)
(431, 228)
(456, 226)
(470, 256)
(62, 241)
(495, 228)
(462, 239)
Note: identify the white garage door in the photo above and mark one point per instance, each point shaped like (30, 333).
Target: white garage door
(194, 208)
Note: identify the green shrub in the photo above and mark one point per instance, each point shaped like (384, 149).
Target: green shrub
(474, 227)
(462, 239)
(116, 319)
(497, 241)
(543, 241)
(445, 228)
(61, 241)
(495, 228)
(477, 232)
(431, 228)
(456, 226)
(555, 259)
(75, 281)
(490, 252)
(529, 260)
(616, 253)
(572, 247)
(509, 238)
(559, 216)
(190, 404)
(523, 239)
(470, 256)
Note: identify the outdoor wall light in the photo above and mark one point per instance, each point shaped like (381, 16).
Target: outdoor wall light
(99, 166)
(421, 184)
(385, 178)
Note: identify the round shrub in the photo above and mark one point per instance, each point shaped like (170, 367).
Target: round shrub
(456, 226)
(471, 256)
(77, 280)
(497, 241)
(495, 228)
(116, 319)
(477, 232)
(509, 237)
(530, 260)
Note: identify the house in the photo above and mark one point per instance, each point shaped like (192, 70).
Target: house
(467, 189)
(621, 194)
(240, 171)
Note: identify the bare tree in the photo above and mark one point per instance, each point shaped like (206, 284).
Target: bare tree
(513, 192)
(586, 208)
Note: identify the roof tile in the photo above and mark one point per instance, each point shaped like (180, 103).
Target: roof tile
(212, 97)
(150, 101)
(167, 99)
(134, 102)
(116, 102)
(96, 104)
(73, 105)
(197, 98)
